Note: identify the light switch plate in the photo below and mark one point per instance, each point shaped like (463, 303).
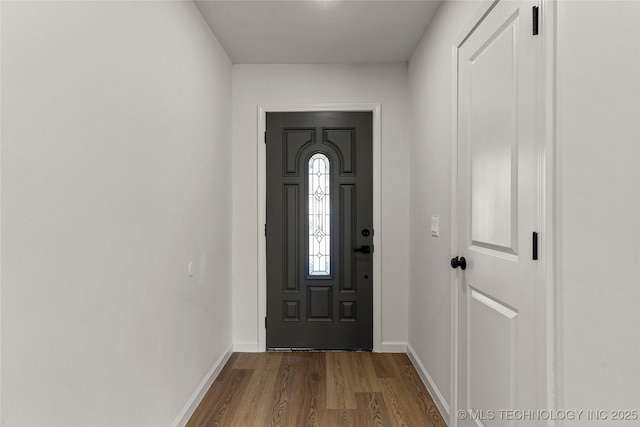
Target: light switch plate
(435, 226)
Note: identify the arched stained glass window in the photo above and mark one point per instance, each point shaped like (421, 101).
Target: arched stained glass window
(319, 216)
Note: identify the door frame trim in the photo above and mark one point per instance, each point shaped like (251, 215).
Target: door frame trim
(546, 196)
(0, 227)
(376, 110)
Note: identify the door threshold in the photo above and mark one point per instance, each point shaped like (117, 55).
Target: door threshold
(318, 350)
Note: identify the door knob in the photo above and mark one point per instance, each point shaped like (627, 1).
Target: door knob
(461, 262)
(365, 249)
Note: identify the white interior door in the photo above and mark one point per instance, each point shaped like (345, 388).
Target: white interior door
(501, 300)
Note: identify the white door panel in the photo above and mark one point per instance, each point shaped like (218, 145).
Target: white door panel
(491, 322)
(493, 153)
(499, 306)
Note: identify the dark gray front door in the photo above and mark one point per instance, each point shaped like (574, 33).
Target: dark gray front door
(319, 230)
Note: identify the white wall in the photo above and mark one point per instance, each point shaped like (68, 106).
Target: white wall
(308, 84)
(116, 168)
(598, 201)
(430, 295)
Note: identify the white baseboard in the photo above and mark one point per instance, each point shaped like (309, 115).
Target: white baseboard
(438, 398)
(193, 402)
(246, 347)
(393, 347)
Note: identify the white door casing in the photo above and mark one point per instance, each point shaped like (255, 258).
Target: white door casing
(501, 298)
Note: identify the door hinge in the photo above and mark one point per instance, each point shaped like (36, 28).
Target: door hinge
(265, 136)
(265, 322)
(535, 246)
(535, 20)
(265, 230)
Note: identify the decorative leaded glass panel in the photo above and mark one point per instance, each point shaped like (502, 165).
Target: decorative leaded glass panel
(319, 216)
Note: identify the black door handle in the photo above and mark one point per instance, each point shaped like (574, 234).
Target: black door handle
(461, 262)
(365, 249)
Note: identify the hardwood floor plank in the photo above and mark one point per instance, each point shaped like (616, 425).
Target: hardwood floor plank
(220, 409)
(317, 389)
(256, 400)
(340, 394)
(282, 393)
(246, 360)
(312, 403)
(298, 401)
(343, 418)
(421, 396)
(213, 395)
(401, 359)
(364, 373)
(384, 365)
(372, 410)
(226, 369)
(269, 360)
(402, 410)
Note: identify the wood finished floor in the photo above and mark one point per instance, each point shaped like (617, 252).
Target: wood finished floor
(317, 389)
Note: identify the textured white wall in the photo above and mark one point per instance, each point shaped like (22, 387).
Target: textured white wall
(308, 84)
(116, 167)
(431, 79)
(598, 201)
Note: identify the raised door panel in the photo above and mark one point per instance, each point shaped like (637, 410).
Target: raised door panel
(291, 247)
(493, 140)
(348, 201)
(491, 348)
(294, 140)
(343, 140)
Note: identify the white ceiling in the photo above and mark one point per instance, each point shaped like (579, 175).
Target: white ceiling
(318, 31)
